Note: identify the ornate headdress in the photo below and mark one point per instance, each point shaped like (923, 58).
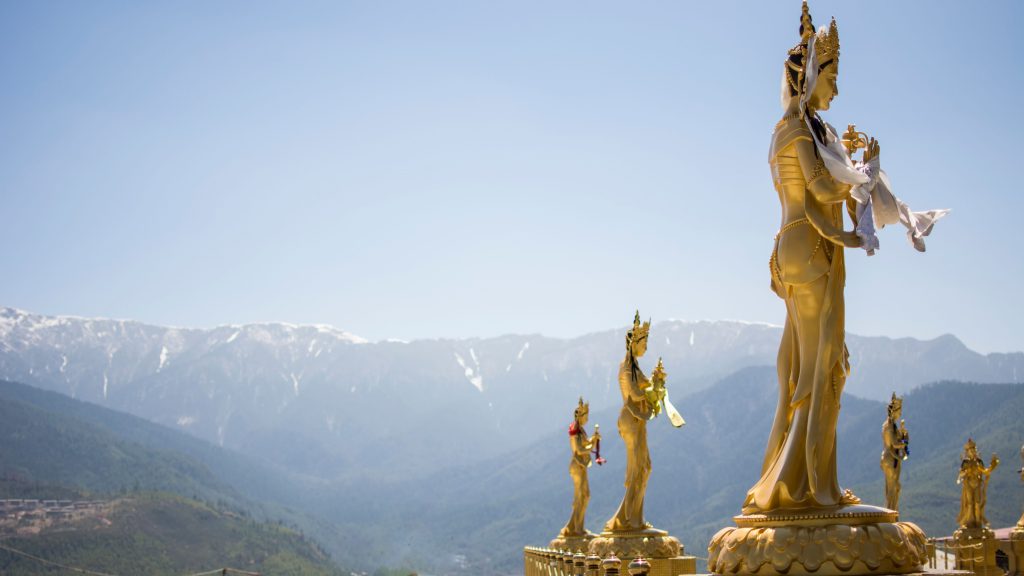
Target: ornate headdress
(970, 447)
(812, 50)
(582, 409)
(638, 329)
(896, 403)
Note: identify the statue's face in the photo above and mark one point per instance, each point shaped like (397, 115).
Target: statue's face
(640, 346)
(584, 417)
(826, 88)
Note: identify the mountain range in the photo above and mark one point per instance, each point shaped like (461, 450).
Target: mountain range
(327, 403)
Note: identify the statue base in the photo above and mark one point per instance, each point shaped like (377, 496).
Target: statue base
(664, 552)
(846, 540)
(1016, 546)
(572, 543)
(976, 551)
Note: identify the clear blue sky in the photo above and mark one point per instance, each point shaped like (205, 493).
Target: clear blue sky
(453, 169)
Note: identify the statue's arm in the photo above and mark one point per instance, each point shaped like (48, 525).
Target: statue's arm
(822, 222)
(582, 444)
(820, 183)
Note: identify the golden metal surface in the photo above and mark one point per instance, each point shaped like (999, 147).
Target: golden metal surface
(1019, 530)
(823, 550)
(797, 520)
(973, 481)
(639, 402)
(808, 273)
(895, 449)
(582, 446)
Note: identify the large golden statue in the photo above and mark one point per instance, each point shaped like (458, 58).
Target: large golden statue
(973, 481)
(582, 447)
(895, 449)
(796, 518)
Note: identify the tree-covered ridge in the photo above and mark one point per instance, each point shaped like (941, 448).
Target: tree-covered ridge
(162, 534)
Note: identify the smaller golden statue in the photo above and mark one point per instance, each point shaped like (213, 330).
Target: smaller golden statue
(642, 400)
(973, 480)
(582, 447)
(896, 449)
(1020, 523)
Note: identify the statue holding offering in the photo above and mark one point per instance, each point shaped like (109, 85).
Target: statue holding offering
(641, 401)
(896, 449)
(582, 447)
(973, 481)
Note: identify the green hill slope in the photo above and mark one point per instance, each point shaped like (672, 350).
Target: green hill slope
(162, 534)
(52, 446)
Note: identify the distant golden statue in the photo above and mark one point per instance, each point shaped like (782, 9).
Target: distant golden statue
(896, 449)
(1020, 523)
(636, 411)
(641, 401)
(582, 447)
(973, 481)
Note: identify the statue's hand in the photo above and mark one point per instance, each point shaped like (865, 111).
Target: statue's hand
(872, 150)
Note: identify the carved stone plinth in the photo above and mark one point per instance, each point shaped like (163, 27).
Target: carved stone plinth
(664, 552)
(976, 551)
(848, 540)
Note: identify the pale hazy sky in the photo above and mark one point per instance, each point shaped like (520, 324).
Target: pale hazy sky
(453, 169)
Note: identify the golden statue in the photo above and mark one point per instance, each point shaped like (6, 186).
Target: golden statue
(796, 518)
(896, 449)
(1020, 523)
(973, 481)
(636, 411)
(641, 401)
(582, 447)
(808, 273)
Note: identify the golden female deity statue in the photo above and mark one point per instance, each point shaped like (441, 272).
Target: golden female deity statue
(582, 447)
(796, 517)
(973, 481)
(636, 411)
(641, 398)
(896, 449)
(809, 274)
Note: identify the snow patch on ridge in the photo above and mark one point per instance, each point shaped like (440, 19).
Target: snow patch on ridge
(526, 346)
(472, 375)
(164, 355)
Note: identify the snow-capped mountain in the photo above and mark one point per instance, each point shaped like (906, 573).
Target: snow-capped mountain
(325, 402)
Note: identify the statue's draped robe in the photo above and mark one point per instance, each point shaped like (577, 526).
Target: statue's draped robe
(632, 382)
(808, 272)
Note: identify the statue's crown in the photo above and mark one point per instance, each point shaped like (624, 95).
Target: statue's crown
(970, 446)
(826, 45)
(896, 402)
(638, 328)
(583, 408)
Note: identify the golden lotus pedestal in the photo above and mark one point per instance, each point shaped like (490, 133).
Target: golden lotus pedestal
(572, 543)
(664, 552)
(847, 540)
